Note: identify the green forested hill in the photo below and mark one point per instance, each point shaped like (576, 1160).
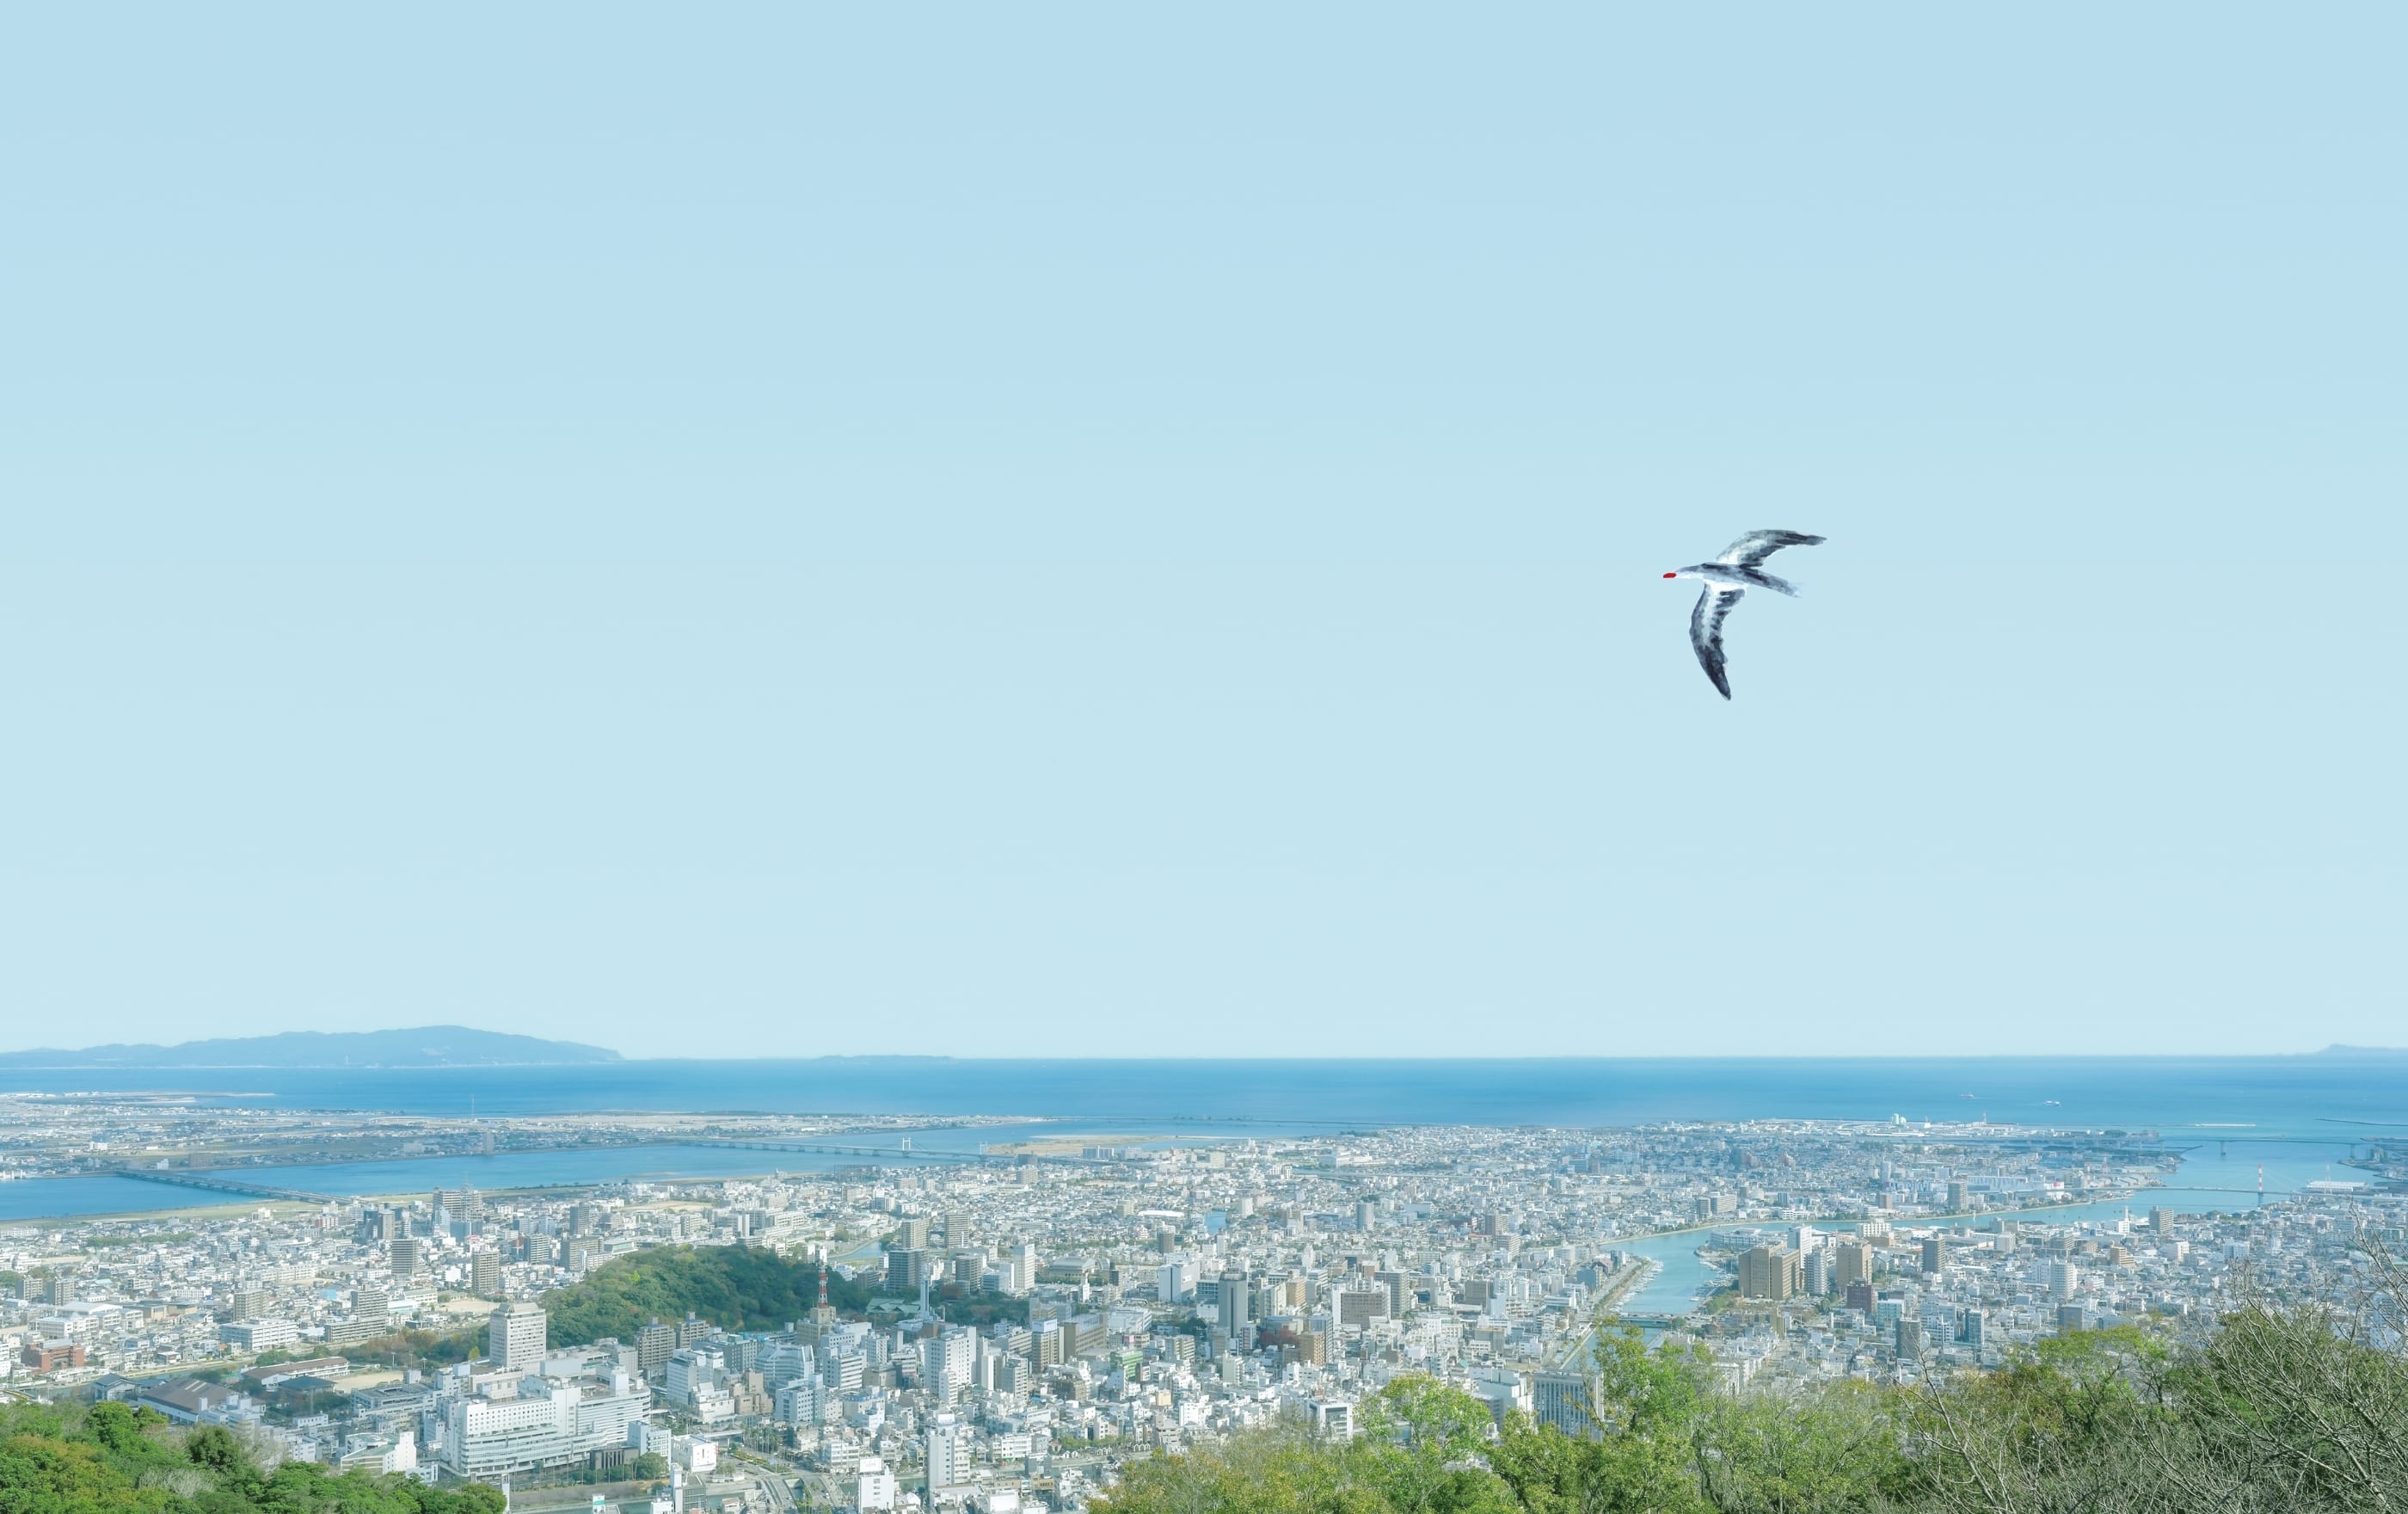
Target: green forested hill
(734, 1287)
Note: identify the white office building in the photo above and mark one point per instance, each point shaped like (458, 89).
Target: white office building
(691, 1370)
(948, 1458)
(515, 1336)
(844, 1371)
(489, 1438)
(2063, 1279)
(803, 1401)
(1172, 1284)
(259, 1335)
(949, 1358)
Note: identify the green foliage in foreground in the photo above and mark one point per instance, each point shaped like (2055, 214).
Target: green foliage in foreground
(734, 1287)
(2280, 1412)
(111, 1459)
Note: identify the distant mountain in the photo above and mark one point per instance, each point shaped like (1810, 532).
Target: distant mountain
(431, 1046)
(2337, 1049)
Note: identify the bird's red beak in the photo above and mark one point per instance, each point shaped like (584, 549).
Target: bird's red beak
(1672, 575)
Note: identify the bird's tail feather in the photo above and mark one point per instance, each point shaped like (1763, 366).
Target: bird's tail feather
(1763, 580)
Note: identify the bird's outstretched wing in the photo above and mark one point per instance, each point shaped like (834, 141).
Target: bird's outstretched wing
(1706, 631)
(1756, 546)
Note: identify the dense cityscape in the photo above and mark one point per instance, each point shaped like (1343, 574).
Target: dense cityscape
(1006, 1324)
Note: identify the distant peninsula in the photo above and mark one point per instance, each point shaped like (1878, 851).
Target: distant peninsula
(431, 1046)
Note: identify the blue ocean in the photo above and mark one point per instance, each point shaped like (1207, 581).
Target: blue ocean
(2295, 1116)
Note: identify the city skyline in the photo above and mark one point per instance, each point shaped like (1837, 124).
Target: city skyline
(1033, 1319)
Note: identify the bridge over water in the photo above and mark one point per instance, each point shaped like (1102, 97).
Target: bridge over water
(207, 1184)
(891, 1153)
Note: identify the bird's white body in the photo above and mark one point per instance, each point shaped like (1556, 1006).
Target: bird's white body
(1717, 576)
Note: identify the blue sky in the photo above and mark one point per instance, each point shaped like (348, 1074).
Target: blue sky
(1087, 531)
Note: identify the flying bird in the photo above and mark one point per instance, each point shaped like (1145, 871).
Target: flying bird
(1727, 577)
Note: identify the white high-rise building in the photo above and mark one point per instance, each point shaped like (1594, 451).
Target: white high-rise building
(844, 1371)
(2063, 1279)
(934, 1380)
(948, 1362)
(786, 1360)
(697, 1381)
(514, 1340)
(961, 1355)
(948, 1458)
(802, 1402)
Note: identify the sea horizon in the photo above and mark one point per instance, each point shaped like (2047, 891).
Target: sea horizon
(2335, 1050)
(2290, 1093)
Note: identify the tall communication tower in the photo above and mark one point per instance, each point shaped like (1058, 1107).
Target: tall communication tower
(822, 1313)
